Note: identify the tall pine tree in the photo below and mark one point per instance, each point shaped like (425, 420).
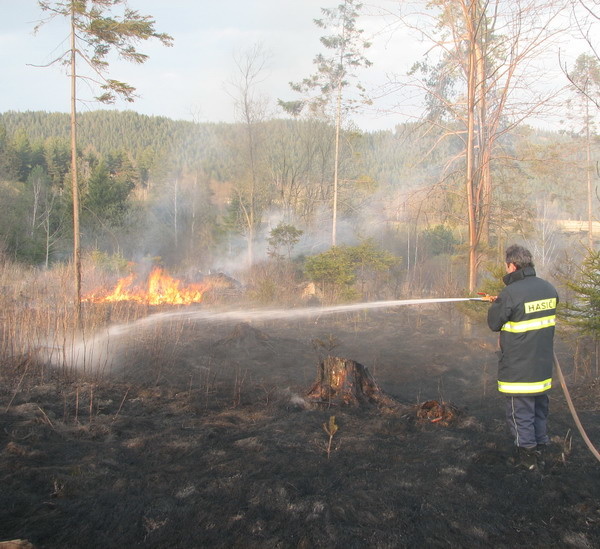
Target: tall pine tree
(95, 32)
(332, 77)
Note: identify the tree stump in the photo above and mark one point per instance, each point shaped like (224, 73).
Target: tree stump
(345, 381)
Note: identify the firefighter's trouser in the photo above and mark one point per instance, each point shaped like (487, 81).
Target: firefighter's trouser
(527, 417)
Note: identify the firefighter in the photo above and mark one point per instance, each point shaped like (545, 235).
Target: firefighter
(525, 315)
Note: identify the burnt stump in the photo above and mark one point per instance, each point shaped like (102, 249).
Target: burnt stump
(342, 381)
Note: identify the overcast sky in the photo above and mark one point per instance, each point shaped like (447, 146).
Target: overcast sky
(188, 80)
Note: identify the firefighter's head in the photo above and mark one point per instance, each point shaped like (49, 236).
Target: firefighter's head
(517, 257)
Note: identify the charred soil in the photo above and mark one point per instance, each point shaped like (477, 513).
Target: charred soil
(219, 446)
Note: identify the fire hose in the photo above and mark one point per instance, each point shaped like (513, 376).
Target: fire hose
(574, 414)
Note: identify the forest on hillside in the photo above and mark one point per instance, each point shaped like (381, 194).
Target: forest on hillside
(154, 187)
(442, 194)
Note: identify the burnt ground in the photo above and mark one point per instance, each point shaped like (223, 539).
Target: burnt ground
(215, 446)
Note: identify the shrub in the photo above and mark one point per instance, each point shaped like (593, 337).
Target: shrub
(341, 268)
(439, 240)
(580, 311)
(583, 310)
(283, 237)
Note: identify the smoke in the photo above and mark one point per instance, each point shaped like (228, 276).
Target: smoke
(185, 223)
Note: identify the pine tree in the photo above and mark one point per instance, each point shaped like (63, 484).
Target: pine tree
(582, 311)
(94, 33)
(332, 76)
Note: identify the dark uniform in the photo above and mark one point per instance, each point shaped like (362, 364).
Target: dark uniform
(525, 315)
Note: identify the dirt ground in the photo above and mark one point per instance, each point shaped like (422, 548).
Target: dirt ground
(214, 445)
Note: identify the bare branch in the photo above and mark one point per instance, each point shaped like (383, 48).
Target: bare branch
(59, 58)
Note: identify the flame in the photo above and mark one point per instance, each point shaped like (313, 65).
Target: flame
(160, 289)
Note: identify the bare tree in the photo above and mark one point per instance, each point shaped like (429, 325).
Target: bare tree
(545, 246)
(585, 84)
(250, 107)
(586, 16)
(480, 86)
(298, 159)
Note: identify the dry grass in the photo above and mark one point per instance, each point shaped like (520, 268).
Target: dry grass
(35, 315)
(273, 282)
(38, 328)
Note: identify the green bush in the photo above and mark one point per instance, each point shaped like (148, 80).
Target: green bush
(283, 237)
(583, 311)
(341, 269)
(439, 240)
(114, 263)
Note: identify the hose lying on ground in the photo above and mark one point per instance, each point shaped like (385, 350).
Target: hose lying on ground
(580, 428)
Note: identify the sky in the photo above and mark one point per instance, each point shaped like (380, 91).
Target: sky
(192, 80)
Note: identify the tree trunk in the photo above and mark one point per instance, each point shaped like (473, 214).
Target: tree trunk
(74, 180)
(588, 169)
(470, 174)
(336, 162)
(176, 212)
(342, 381)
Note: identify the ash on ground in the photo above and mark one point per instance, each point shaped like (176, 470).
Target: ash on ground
(211, 441)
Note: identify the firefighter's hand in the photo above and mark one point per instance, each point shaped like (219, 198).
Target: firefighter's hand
(487, 297)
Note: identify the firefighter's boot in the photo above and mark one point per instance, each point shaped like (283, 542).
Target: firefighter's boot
(528, 458)
(541, 458)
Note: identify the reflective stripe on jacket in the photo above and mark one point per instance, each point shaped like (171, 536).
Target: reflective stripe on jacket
(520, 388)
(525, 316)
(528, 325)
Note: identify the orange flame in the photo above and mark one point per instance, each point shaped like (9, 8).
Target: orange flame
(160, 289)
